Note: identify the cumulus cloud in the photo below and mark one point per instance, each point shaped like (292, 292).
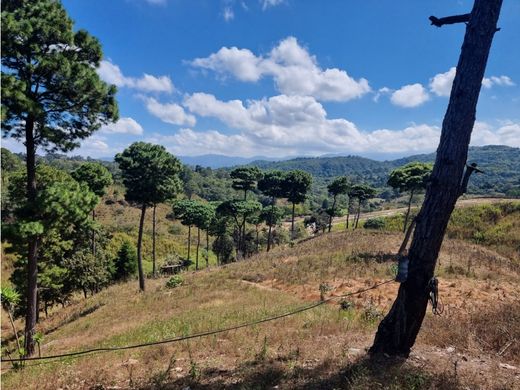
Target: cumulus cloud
(170, 112)
(441, 83)
(123, 126)
(501, 81)
(411, 95)
(507, 133)
(294, 70)
(112, 74)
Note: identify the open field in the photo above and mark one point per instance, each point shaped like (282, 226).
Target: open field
(320, 348)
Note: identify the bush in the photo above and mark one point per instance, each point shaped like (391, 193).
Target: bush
(125, 263)
(174, 281)
(374, 223)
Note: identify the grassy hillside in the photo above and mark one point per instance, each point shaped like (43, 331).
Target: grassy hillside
(320, 348)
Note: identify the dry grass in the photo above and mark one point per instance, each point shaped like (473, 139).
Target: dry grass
(322, 348)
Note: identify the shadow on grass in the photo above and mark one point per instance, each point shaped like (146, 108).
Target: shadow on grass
(365, 373)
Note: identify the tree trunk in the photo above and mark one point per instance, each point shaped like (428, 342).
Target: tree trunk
(271, 224)
(14, 329)
(154, 223)
(408, 211)
(189, 241)
(198, 246)
(257, 242)
(332, 212)
(207, 248)
(32, 255)
(292, 221)
(398, 330)
(404, 244)
(139, 249)
(349, 205)
(358, 213)
(94, 233)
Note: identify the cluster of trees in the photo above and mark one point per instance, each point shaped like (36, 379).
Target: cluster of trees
(71, 244)
(52, 97)
(230, 221)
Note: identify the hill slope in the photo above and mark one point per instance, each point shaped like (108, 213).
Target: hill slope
(319, 348)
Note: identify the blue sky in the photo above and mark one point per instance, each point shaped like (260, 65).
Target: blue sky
(283, 78)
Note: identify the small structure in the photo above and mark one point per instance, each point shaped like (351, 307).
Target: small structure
(175, 268)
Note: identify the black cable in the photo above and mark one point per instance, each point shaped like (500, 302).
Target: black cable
(196, 335)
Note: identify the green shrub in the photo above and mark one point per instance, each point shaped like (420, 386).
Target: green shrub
(374, 223)
(174, 281)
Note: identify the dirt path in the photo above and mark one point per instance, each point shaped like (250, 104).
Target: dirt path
(401, 210)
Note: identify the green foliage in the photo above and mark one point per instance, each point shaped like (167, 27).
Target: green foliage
(272, 215)
(185, 211)
(340, 186)
(10, 162)
(125, 264)
(245, 178)
(495, 225)
(174, 281)
(87, 272)
(272, 184)
(410, 177)
(63, 208)
(297, 184)
(150, 173)
(374, 223)
(95, 176)
(223, 247)
(49, 76)
(238, 209)
(361, 192)
(10, 298)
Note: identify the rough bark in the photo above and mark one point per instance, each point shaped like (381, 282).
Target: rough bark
(207, 248)
(32, 255)
(292, 221)
(94, 234)
(332, 212)
(398, 330)
(197, 252)
(189, 241)
(154, 224)
(404, 244)
(357, 215)
(139, 248)
(408, 211)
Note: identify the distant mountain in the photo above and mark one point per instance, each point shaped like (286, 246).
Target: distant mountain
(501, 165)
(220, 161)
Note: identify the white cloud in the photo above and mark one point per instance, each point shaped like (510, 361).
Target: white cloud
(294, 70)
(241, 63)
(112, 74)
(502, 81)
(228, 14)
(441, 83)
(123, 126)
(286, 125)
(169, 112)
(507, 133)
(270, 3)
(380, 92)
(412, 95)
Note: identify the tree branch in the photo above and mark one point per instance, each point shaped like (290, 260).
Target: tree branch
(449, 20)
